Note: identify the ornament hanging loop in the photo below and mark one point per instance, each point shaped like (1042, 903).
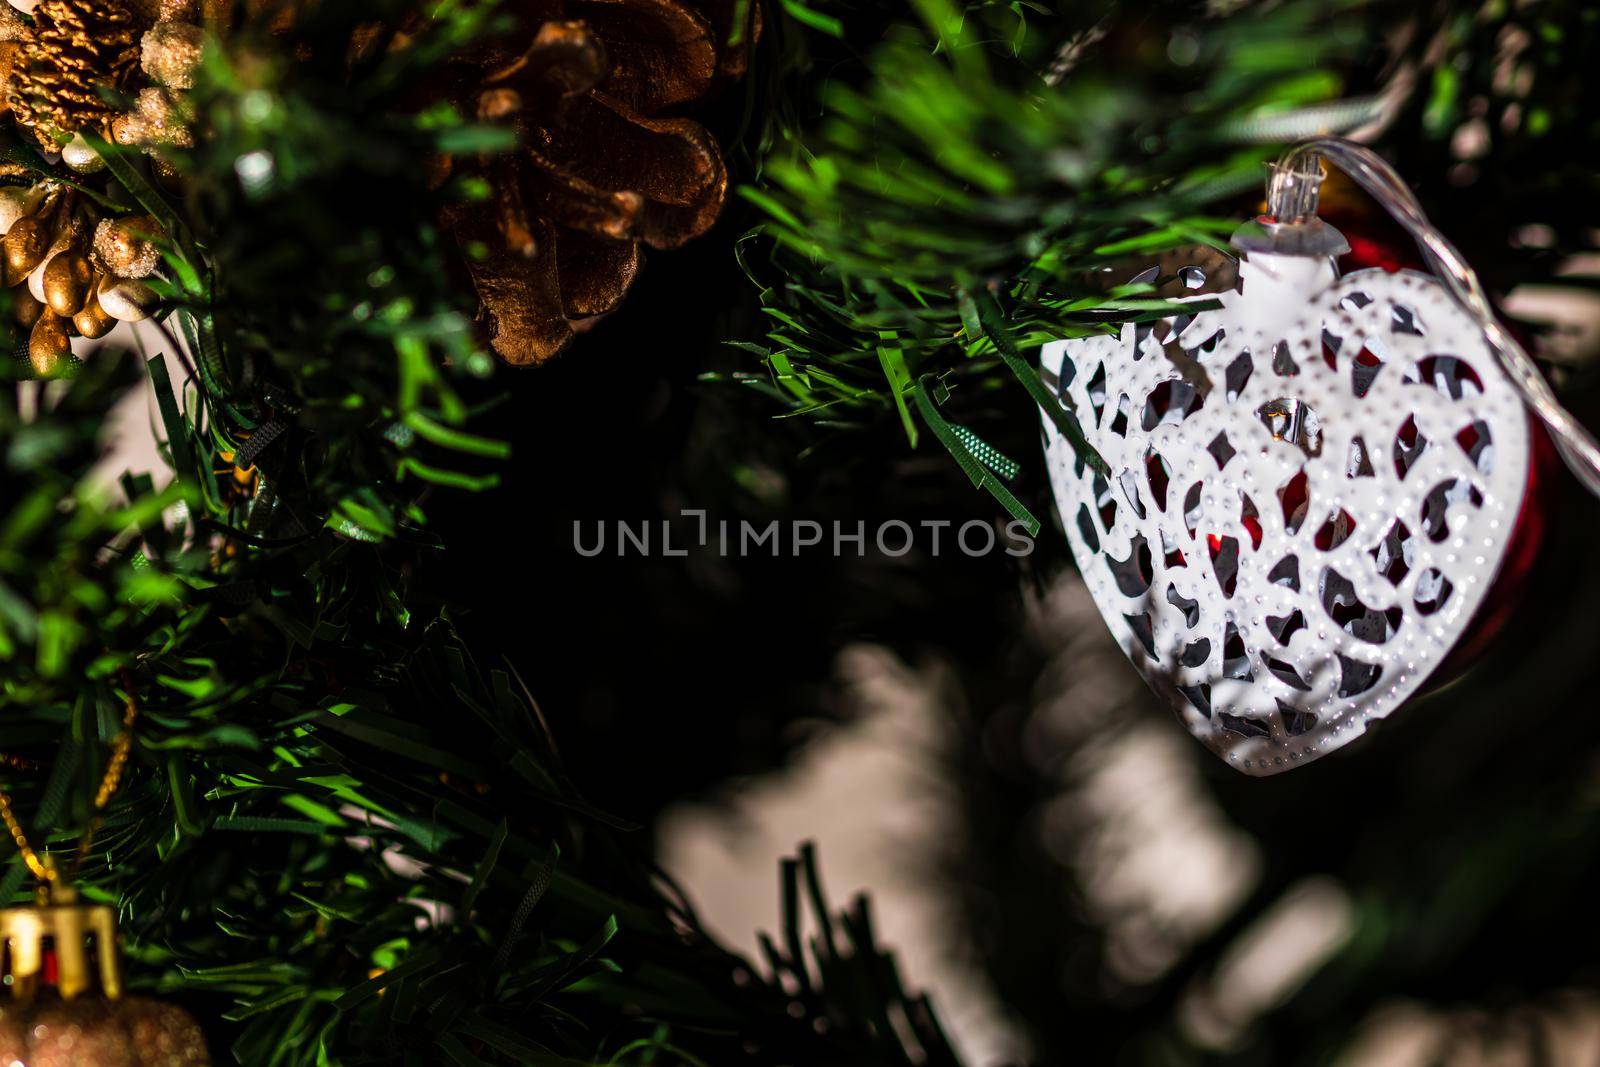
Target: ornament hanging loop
(1292, 201)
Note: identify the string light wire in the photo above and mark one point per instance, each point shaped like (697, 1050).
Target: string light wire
(1575, 443)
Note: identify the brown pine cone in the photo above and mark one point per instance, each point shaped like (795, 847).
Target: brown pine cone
(606, 164)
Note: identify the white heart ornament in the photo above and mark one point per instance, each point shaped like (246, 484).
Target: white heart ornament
(1312, 488)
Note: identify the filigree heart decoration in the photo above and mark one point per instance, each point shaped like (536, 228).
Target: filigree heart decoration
(1311, 489)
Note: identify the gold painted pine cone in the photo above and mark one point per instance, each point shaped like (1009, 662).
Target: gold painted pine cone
(607, 164)
(75, 49)
(60, 73)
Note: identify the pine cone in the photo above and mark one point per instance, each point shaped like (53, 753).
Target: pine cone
(76, 49)
(605, 165)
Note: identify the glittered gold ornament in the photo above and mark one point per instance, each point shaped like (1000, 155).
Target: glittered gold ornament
(158, 119)
(12, 26)
(125, 248)
(82, 1019)
(607, 165)
(170, 52)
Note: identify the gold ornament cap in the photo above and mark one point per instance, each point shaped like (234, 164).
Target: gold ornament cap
(70, 929)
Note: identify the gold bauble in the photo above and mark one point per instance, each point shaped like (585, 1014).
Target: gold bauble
(24, 247)
(92, 322)
(82, 1020)
(26, 311)
(48, 345)
(18, 202)
(68, 284)
(99, 1032)
(58, 1033)
(81, 156)
(126, 299)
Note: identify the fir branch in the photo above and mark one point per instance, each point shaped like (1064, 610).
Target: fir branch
(991, 161)
(337, 836)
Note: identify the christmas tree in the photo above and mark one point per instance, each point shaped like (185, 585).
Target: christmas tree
(325, 701)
